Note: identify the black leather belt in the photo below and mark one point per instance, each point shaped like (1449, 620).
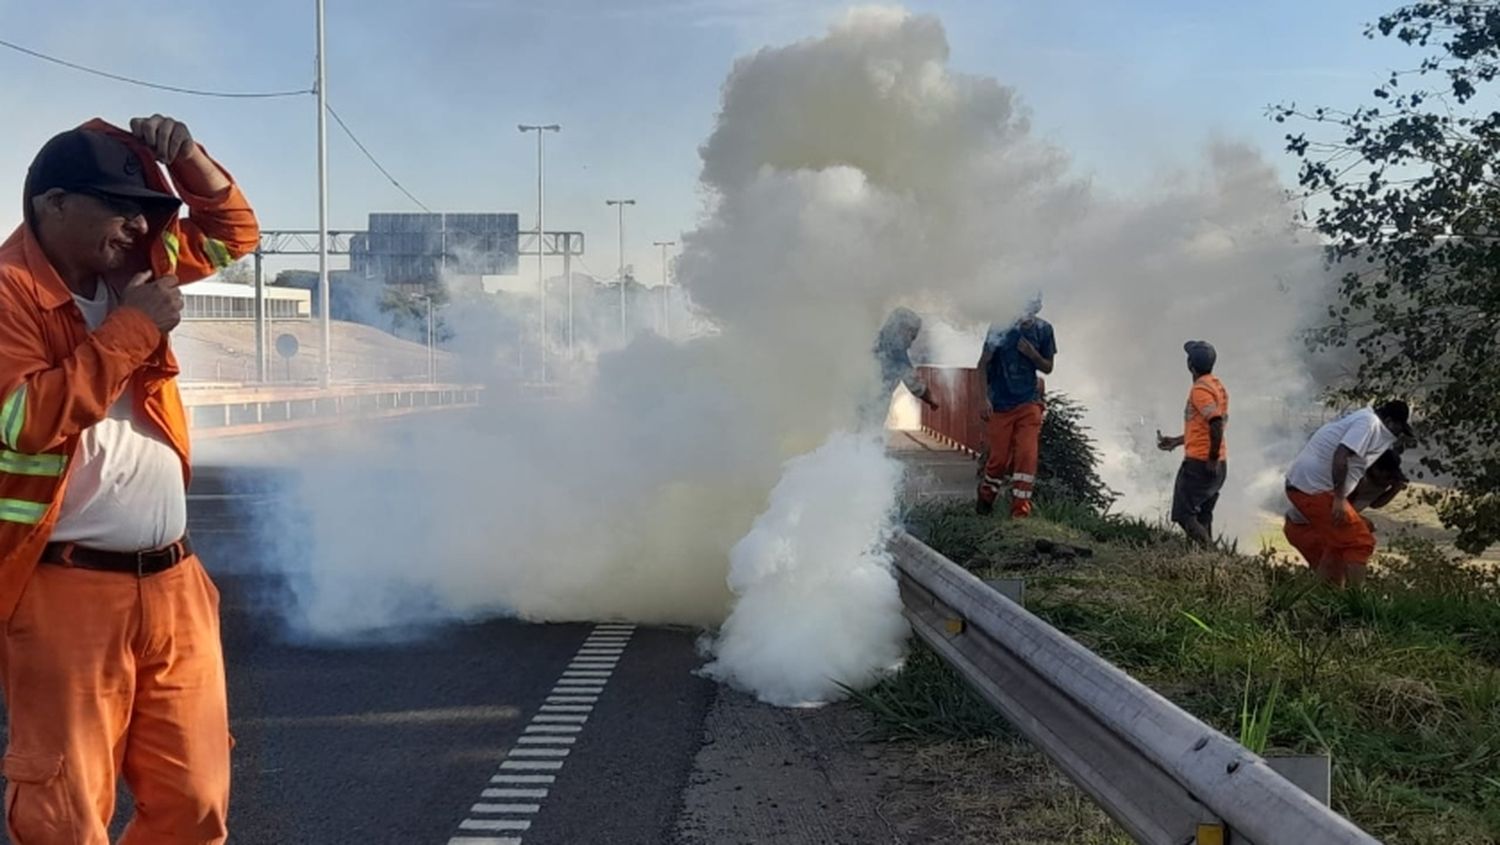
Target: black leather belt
(139, 564)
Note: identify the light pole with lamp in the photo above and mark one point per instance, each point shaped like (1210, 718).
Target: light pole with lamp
(620, 204)
(541, 131)
(325, 376)
(431, 348)
(666, 320)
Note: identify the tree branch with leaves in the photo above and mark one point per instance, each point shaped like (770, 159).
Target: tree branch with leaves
(1406, 194)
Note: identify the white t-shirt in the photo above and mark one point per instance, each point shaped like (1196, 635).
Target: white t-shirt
(125, 492)
(1362, 432)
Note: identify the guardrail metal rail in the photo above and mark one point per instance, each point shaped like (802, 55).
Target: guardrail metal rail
(1164, 776)
(228, 412)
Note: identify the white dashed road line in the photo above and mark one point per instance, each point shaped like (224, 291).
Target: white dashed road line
(518, 790)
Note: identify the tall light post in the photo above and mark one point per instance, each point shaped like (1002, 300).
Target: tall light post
(666, 325)
(620, 204)
(326, 377)
(541, 131)
(567, 251)
(431, 348)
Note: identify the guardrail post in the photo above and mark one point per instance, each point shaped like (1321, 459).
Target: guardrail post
(1312, 773)
(1012, 588)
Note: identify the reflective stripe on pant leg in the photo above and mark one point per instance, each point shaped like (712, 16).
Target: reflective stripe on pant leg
(998, 435)
(1026, 445)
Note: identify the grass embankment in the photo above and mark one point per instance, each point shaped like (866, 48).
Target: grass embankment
(1399, 681)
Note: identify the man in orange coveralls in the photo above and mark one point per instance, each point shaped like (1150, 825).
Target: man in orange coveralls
(111, 660)
(1011, 391)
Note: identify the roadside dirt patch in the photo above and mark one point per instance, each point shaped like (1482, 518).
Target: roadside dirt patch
(768, 774)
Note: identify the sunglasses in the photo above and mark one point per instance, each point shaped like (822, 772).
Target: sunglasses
(119, 206)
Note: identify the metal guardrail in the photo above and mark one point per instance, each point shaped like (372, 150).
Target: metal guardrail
(1163, 775)
(260, 409)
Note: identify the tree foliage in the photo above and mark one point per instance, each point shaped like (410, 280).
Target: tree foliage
(407, 313)
(241, 272)
(1068, 461)
(1406, 193)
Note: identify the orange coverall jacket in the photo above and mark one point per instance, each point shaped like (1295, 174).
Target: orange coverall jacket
(57, 378)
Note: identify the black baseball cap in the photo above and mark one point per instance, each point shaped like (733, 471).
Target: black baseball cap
(1397, 416)
(1201, 355)
(86, 161)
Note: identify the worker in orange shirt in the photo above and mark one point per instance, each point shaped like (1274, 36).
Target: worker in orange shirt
(1200, 479)
(110, 661)
(1011, 391)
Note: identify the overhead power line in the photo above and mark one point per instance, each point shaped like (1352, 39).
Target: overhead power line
(371, 156)
(237, 95)
(196, 92)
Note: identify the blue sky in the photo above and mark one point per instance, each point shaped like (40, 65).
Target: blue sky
(436, 89)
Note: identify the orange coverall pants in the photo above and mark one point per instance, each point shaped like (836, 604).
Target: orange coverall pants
(1014, 439)
(108, 673)
(1328, 548)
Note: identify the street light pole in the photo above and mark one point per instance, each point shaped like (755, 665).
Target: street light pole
(541, 131)
(620, 204)
(567, 251)
(431, 349)
(326, 377)
(666, 325)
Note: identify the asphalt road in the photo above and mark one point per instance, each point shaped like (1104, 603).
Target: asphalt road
(397, 742)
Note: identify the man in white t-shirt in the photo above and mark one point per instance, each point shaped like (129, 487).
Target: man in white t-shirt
(1322, 524)
(110, 657)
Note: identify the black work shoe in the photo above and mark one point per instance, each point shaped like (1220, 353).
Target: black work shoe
(983, 508)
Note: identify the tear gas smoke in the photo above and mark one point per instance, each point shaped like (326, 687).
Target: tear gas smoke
(813, 579)
(846, 174)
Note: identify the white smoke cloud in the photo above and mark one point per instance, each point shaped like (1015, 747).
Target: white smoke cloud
(817, 603)
(847, 174)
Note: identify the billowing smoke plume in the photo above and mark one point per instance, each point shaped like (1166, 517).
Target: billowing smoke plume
(813, 580)
(846, 174)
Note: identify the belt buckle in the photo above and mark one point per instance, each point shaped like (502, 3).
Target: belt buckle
(150, 557)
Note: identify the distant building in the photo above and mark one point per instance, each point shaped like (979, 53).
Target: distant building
(226, 301)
